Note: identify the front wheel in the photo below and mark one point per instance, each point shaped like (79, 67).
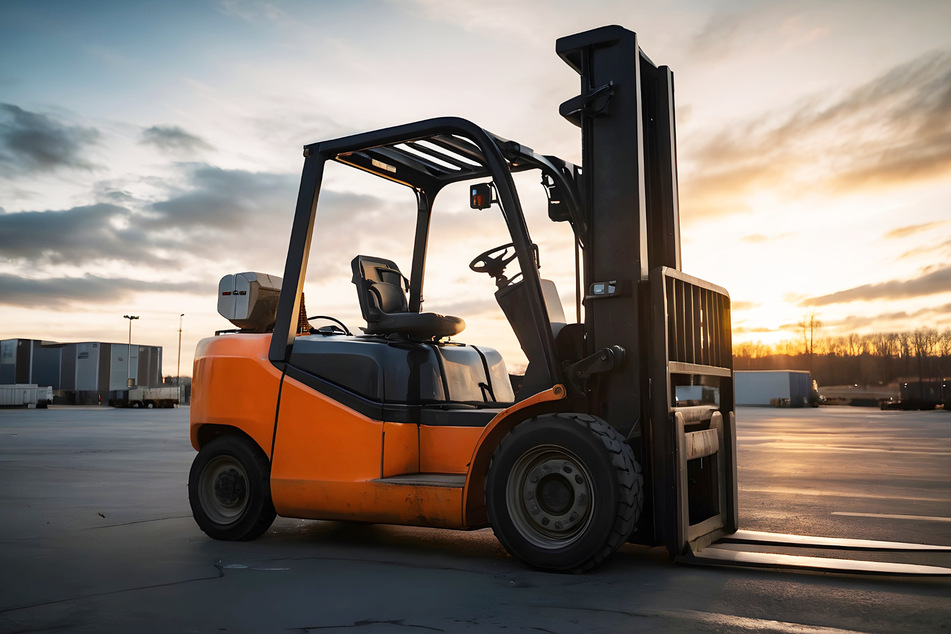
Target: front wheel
(229, 489)
(563, 492)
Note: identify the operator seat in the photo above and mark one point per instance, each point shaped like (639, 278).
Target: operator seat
(381, 289)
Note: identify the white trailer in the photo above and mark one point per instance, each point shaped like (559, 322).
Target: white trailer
(25, 395)
(782, 388)
(147, 397)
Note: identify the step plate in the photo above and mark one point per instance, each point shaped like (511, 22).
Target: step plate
(445, 480)
(725, 557)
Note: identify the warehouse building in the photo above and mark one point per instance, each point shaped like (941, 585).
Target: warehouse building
(79, 373)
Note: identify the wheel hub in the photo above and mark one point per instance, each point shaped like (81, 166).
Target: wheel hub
(551, 492)
(223, 489)
(229, 487)
(554, 495)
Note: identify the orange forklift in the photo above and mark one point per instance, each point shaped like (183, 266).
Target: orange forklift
(621, 427)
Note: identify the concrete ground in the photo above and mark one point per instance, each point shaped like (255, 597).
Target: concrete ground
(96, 536)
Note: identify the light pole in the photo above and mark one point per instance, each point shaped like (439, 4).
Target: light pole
(178, 368)
(129, 373)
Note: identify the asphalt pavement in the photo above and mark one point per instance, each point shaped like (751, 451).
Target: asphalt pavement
(96, 535)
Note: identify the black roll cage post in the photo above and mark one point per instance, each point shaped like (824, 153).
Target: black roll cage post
(426, 156)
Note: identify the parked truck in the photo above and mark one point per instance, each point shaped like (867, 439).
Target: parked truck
(147, 397)
(25, 395)
(405, 423)
(921, 395)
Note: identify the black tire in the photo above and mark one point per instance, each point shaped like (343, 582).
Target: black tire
(563, 492)
(229, 489)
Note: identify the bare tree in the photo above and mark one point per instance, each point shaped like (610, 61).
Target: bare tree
(809, 326)
(885, 345)
(924, 342)
(944, 350)
(835, 346)
(904, 351)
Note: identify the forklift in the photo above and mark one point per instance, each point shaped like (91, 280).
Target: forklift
(621, 428)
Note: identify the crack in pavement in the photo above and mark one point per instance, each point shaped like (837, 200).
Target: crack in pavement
(217, 564)
(157, 519)
(397, 622)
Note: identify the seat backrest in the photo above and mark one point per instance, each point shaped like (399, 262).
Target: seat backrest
(381, 287)
(514, 303)
(556, 312)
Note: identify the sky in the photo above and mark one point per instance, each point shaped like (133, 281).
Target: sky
(149, 148)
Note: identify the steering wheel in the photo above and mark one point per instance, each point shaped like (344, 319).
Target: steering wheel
(324, 330)
(494, 260)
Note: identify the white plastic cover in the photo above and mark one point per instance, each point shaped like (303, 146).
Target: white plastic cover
(249, 300)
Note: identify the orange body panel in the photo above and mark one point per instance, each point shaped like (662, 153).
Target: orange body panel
(320, 440)
(400, 448)
(234, 384)
(446, 449)
(328, 460)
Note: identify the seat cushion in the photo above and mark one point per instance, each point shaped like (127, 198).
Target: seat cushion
(417, 325)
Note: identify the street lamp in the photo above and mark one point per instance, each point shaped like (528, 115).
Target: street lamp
(178, 368)
(129, 373)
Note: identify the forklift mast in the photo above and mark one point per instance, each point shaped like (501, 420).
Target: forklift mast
(673, 328)
(625, 112)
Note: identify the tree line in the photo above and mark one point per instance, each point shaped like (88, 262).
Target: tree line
(871, 359)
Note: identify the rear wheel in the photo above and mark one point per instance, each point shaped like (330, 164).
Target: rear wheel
(563, 492)
(229, 489)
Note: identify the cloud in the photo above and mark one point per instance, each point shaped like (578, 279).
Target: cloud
(32, 142)
(217, 198)
(744, 305)
(934, 282)
(62, 292)
(248, 215)
(943, 250)
(720, 35)
(205, 218)
(210, 212)
(173, 139)
(903, 232)
(892, 131)
(900, 320)
(912, 104)
(73, 236)
(759, 238)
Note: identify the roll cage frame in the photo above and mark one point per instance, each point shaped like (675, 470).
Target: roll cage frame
(426, 156)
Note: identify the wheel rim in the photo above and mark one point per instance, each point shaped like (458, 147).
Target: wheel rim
(550, 497)
(224, 489)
